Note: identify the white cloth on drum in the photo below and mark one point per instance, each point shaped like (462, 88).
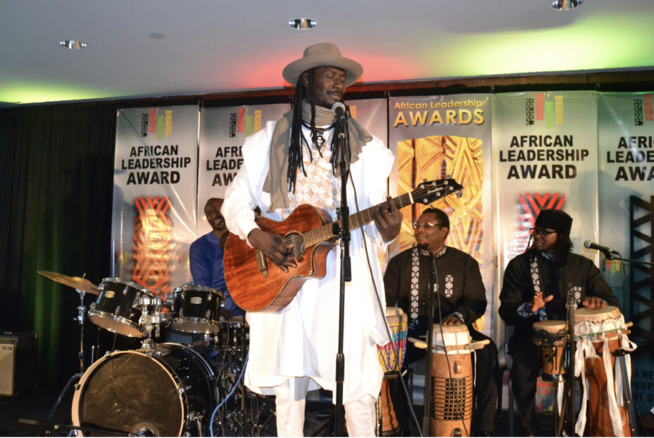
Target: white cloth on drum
(615, 389)
(301, 339)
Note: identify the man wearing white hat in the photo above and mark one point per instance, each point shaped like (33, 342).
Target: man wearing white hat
(293, 162)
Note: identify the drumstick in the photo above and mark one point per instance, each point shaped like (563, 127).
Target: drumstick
(418, 343)
(477, 345)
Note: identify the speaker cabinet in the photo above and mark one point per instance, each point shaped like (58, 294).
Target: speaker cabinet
(17, 362)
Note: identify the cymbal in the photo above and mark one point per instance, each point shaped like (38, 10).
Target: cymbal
(78, 283)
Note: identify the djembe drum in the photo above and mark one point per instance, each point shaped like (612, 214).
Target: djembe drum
(451, 381)
(391, 358)
(550, 337)
(598, 333)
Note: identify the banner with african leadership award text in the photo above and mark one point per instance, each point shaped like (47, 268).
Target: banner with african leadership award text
(441, 137)
(155, 180)
(626, 183)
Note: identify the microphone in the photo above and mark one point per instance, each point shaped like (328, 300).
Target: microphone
(608, 252)
(339, 111)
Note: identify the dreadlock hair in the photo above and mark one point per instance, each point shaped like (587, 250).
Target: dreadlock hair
(563, 247)
(295, 161)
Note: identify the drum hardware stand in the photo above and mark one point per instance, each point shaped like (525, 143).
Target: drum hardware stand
(568, 404)
(631, 415)
(81, 318)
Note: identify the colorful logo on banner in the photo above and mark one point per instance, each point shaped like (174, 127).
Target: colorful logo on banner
(151, 123)
(643, 110)
(151, 242)
(545, 112)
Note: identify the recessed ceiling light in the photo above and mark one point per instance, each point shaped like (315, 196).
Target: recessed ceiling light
(303, 23)
(72, 44)
(564, 5)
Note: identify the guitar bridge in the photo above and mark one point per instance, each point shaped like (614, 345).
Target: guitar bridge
(262, 264)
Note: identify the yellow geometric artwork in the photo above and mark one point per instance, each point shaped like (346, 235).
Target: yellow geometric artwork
(440, 157)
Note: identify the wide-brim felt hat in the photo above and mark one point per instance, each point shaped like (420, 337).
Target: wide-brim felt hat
(323, 55)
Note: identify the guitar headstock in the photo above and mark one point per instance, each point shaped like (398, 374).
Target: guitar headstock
(429, 191)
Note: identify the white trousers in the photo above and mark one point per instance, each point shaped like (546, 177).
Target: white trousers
(291, 400)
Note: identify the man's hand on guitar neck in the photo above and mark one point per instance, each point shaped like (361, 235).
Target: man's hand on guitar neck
(388, 219)
(273, 247)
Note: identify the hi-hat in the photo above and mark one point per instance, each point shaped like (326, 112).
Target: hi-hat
(78, 283)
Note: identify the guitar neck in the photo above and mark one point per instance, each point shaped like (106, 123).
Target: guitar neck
(357, 220)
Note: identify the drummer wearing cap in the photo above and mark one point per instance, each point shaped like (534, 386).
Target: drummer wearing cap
(535, 288)
(293, 162)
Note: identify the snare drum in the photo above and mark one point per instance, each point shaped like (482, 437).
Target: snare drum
(117, 308)
(165, 391)
(196, 309)
(451, 381)
(550, 337)
(603, 328)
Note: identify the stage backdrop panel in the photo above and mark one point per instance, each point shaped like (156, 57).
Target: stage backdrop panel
(222, 134)
(155, 180)
(626, 183)
(224, 130)
(544, 156)
(439, 137)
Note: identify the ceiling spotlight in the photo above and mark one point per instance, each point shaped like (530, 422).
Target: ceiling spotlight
(564, 5)
(303, 23)
(72, 44)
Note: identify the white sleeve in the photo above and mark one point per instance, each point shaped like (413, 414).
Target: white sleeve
(244, 192)
(377, 163)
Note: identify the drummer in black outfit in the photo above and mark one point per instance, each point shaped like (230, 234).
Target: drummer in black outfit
(462, 300)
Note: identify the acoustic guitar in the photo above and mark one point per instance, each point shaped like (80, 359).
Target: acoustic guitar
(256, 285)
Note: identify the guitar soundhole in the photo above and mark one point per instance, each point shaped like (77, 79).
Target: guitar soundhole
(297, 240)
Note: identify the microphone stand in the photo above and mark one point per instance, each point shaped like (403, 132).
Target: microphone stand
(569, 386)
(346, 272)
(612, 255)
(433, 290)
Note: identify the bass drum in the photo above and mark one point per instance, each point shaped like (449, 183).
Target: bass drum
(165, 391)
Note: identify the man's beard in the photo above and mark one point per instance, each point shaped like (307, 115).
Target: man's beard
(424, 246)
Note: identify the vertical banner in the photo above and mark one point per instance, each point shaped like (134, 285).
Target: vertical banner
(544, 156)
(155, 177)
(222, 134)
(626, 146)
(224, 130)
(440, 137)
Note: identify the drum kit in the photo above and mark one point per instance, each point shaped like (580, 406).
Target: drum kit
(600, 356)
(163, 388)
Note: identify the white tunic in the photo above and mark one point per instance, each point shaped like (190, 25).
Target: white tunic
(302, 339)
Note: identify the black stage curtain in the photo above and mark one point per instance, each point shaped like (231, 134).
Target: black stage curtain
(56, 188)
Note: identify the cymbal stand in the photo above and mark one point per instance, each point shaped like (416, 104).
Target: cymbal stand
(81, 318)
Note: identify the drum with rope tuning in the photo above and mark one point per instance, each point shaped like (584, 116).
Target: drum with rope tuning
(391, 358)
(551, 337)
(603, 328)
(451, 381)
